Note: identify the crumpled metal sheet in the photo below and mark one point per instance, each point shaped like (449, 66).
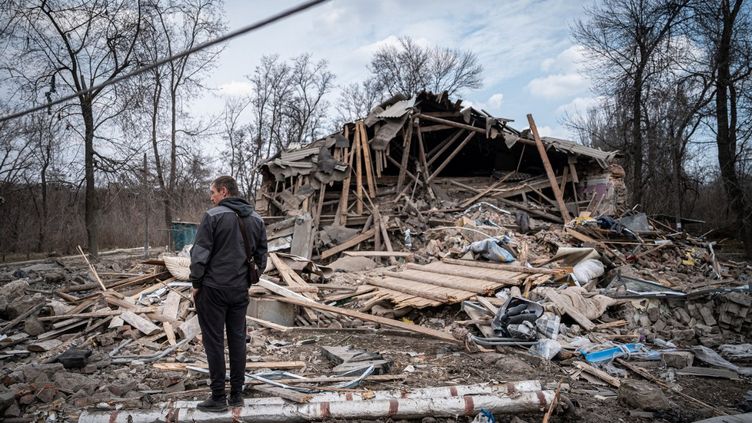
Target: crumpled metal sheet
(397, 109)
(386, 133)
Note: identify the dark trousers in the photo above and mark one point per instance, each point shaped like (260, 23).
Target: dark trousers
(217, 309)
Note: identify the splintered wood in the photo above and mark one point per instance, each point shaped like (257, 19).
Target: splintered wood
(421, 286)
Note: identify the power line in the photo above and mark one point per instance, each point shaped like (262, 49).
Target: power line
(260, 24)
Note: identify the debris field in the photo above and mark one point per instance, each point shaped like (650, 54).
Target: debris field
(427, 263)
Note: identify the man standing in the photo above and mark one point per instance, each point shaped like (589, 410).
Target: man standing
(219, 275)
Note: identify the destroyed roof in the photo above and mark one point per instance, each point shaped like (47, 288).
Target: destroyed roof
(390, 117)
(602, 157)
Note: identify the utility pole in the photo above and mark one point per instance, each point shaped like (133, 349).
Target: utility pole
(146, 207)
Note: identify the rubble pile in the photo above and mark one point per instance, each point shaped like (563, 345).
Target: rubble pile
(428, 262)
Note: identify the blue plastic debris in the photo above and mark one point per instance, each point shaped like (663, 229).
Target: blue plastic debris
(609, 354)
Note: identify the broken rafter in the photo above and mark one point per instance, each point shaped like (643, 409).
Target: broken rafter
(349, 243)
(444, 336)
(549, 170)
(405, 156)
(451, 156)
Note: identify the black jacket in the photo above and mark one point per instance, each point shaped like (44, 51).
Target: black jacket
(218, 253)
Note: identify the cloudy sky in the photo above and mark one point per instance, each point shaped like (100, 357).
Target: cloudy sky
(530, 62)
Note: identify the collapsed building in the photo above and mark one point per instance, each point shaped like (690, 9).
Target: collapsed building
(427, 262)
(427, 152)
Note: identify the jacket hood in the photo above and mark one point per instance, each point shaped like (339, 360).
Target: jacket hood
(238, 205)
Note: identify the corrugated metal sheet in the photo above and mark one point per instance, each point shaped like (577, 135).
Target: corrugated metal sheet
(603, 158)
(397, 109)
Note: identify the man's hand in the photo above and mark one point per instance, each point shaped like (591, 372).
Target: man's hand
(194, 293)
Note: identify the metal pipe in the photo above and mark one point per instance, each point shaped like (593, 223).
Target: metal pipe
(395, 407)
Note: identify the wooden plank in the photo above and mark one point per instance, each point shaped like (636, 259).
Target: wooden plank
(22, 317)
(600, 374)
(96, 314)
(144, 326)
(433, 128)
(45, 345)
(169, 332)
(268, 324)
(444, 336)
(564, 179)
(417, 289)
(283, 393)
(55, 333)
(485, 192)
(451, 156)
(190, 328)
(292, 279)
(93, 270)
(129, 305)
(469, 273)
(575, 314)
(302, 238)
(384, 233)
(406, 144)
(509, 267)
(434, 155)
(549, 170)
(358, 173)
(367, 159)
(378, 254)
(453, 124)
(283, 291)
(349, 243)
(341, 214)
(424, 164)
(485, 302)
(452, 282)
(171, 305)
(362, 289)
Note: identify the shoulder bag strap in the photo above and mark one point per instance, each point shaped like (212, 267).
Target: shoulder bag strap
(245, 239)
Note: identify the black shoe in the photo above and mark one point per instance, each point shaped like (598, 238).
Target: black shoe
(236, 400)
(213, 404)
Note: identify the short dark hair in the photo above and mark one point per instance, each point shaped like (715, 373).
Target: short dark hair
(229, 183)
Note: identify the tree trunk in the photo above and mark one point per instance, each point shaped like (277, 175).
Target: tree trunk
(636, 147)
(91, 214)
(43, 218)
(725, 103)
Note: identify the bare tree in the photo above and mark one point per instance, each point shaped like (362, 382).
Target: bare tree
(306, 108)
(409, 68)
(171, 27)
(725, 29)
(627, 42)
(73, 45)
(355, 102)
(241, 154)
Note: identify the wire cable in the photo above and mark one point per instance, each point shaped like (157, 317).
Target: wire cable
(230, 35)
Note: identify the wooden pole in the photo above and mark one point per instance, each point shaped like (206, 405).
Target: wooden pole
(405, 155)
(93, 270)
(451, 156)
(358, 173)
(549, 170)
(366, 149)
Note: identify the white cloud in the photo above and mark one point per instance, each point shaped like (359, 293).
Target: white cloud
(495, 101)
(564, 75)
(554, 131)
(235, 88)
(492, 105)
(578, 105)
(558, 85)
